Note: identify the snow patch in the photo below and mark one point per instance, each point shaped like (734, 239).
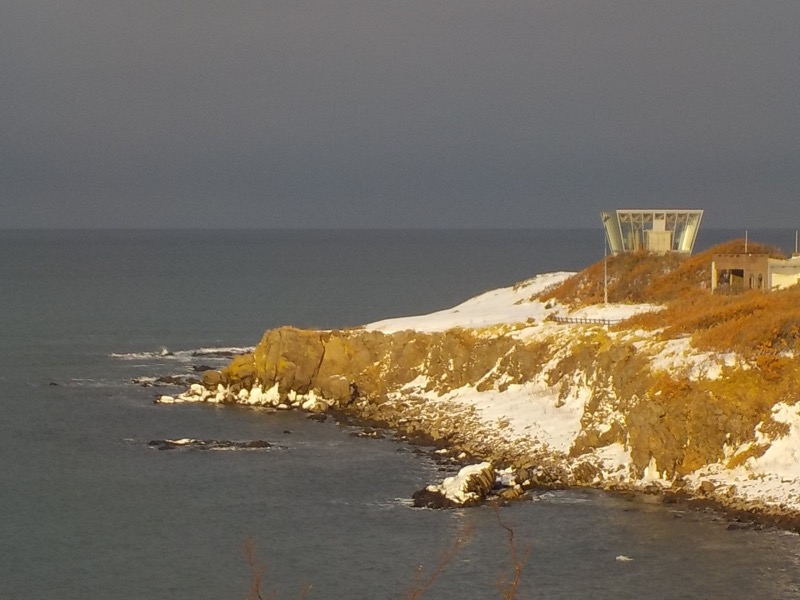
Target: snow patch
(532, 411)
(502, 306)
(613, 312)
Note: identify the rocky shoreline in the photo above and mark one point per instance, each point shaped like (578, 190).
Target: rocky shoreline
(507, 378)
(515, 475)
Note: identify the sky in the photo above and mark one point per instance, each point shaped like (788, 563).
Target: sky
(396, 113)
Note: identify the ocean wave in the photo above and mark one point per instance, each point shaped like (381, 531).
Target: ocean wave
(561, 497)
(86, 382)
(223, 352)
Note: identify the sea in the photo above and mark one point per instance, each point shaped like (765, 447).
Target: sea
(89, 509)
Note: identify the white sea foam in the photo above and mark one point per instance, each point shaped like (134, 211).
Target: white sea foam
(222, 352)
(561, 497)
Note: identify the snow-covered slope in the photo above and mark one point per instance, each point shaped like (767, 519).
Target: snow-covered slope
(534, 413)
(538, 414)
(507, 306)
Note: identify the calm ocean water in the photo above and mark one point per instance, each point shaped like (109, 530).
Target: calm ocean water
(90, 511)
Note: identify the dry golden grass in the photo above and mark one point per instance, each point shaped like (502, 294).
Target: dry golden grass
(647, 277)
(753, 323)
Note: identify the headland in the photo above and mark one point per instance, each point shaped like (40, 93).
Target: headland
(666, 389)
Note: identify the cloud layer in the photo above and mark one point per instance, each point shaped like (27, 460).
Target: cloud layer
(377, 113)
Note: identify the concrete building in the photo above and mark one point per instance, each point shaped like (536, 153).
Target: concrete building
(745, 271)
(660, 231)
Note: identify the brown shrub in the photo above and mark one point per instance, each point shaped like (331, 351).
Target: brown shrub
(752, 323)
(647, 277)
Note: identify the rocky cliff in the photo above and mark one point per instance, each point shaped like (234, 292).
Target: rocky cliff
(554, 391)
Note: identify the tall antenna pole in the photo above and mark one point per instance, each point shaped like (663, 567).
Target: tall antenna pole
(796, 251)
(605, 267)
(745, 241)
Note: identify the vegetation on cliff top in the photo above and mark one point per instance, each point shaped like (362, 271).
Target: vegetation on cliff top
(752, 323)
(763, 329)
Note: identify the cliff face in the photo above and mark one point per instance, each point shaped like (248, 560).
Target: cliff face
(572, 404)
(379, 364)
(679, 423)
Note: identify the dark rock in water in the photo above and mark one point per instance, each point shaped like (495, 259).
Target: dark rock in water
(53, 383)
(426, 498)
(179, 380)
(208, 444)
(375, 434)
(255, 444)
(318, 417)
(743, 527)
(175, 380)
(201, 368)
(470, 487)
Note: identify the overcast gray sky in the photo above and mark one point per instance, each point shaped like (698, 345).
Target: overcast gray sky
(397, 113)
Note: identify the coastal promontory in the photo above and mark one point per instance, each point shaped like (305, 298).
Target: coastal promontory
(665, 388)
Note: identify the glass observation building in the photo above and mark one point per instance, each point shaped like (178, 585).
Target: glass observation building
(660, 231)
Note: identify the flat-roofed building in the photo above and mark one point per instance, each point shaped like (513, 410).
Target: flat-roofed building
(661, 230)
(745, 271)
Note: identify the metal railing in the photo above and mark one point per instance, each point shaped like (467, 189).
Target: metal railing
(584, 321)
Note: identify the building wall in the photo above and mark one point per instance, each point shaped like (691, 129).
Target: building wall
(784, 273)
(753, 271)
(784, 280)
(740, 272)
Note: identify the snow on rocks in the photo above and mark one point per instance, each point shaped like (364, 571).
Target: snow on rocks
(469, 487)
(531, 411)
(771, 478)
(256, 396)
(473, 485)
(679, 355)
(314, 404)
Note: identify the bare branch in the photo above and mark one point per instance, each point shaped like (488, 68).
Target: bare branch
(257, 570)
(420, 587)
(508, 589)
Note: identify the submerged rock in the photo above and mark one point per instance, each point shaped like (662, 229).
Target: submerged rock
(177, 380)
(428, 498)
(209, 444)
